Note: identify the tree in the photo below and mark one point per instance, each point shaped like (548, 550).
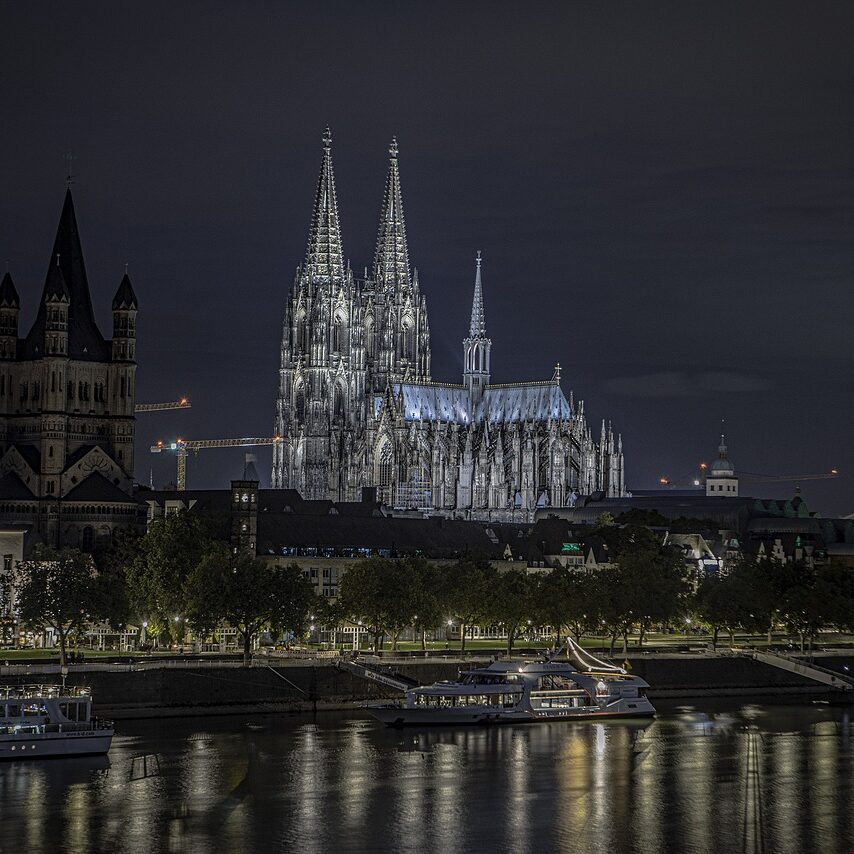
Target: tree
(428, 596)
(247, 595)
(468, 584)
(510, 602)
(744, 599)
(647, 585)
(170, 550)
(58, 590)
(565, 597)
(380, 593)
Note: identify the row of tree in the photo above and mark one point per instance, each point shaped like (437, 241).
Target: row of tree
(177, 576)
(647, 586)
(180, 575)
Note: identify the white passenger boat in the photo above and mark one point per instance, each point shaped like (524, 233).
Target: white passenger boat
(49, 720)
(524, 692)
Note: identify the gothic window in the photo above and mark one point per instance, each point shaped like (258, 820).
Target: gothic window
(53, 380)
(3, 385)
(302, 332)
(70, 390)
(408, 340)
(338, 402)
(122, 387)
(370, 339)
(339, 343)
(385, 469)
(299, 407)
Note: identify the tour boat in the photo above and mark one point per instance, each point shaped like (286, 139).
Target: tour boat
(524, 692)
(50, 720)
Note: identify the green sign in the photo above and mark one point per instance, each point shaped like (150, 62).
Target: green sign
(570, 548)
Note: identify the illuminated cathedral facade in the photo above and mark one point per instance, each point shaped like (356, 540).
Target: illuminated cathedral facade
(358, 408)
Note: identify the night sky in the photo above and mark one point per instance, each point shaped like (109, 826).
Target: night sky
(663, 194)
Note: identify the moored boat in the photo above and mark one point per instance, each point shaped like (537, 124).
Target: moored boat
(517, 691)
(50, 720)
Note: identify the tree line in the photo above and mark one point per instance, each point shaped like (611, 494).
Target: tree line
(178, 575)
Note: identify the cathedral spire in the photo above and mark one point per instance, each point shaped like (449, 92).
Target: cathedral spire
(324, 255)
(477, 346)
(477, 328)
(391, 260)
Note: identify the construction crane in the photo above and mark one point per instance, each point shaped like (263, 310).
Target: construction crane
(751, 477)
(183, 403)
(768, 478)
(182, 447)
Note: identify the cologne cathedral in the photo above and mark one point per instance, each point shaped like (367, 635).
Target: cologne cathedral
(359, 413)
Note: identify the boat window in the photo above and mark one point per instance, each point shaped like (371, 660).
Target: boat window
(13, 710)
(34, 709)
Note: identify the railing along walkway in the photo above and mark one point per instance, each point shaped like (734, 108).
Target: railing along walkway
(809, 671)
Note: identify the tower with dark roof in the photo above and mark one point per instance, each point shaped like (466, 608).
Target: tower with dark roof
(67, 403)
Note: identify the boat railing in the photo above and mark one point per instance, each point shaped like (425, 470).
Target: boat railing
(33, 692)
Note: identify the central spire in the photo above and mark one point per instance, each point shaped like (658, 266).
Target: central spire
(324, 257)
(391, 261)
(477, 329)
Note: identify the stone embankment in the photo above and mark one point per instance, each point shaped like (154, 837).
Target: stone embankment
(161, 689)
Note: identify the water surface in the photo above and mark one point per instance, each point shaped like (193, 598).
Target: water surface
(736, 778)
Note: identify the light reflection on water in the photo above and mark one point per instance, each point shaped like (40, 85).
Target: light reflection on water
(693, 780)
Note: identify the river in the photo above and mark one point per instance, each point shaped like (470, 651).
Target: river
(710, 778)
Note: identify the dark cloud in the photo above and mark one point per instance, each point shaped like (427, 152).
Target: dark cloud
(681, 384)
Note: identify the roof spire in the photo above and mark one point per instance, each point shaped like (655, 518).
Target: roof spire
(477, 328)
(67, 272)
(324, 255)
(391, 260)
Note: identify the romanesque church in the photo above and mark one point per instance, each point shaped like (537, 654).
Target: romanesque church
(358, 407)
(67, 405)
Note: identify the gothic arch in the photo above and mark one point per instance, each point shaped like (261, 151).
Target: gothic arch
(299, 401)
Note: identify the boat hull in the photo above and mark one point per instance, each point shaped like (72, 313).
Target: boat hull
(41, 745)
(400, 716)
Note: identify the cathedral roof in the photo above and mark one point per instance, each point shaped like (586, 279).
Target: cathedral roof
(524, 402)
(67, 270)
(500, 404)
(324, 256)
(391, 260)
(432, 402)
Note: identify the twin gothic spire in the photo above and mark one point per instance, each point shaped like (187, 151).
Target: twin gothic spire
(324, 259)
(391, 260)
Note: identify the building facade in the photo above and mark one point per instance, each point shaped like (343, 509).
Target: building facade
(358, 407)
(67, 405)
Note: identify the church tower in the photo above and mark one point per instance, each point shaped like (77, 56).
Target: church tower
(67, 404)
(477, 346)
(397, 335)
(721, 481)
(322, 375)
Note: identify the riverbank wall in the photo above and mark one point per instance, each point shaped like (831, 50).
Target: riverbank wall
(130, 691)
